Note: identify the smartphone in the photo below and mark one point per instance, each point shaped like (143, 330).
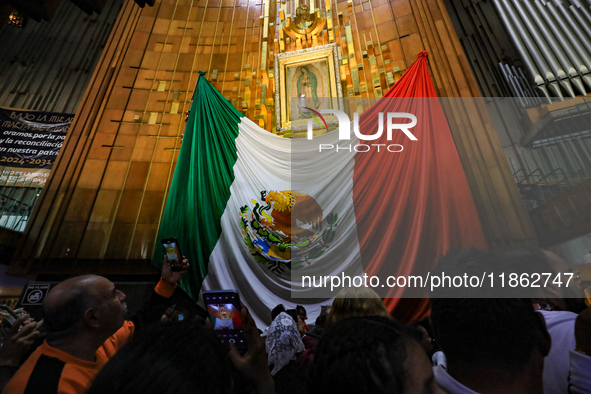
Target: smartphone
(223, 307)
(9, 316)
(173, 253)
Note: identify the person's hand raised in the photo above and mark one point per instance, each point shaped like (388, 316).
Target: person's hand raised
(253, 364)
(19, 340)
(170, 276)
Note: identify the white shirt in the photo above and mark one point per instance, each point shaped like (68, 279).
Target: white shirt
(439, 358)
(561, 327)
(580, 373)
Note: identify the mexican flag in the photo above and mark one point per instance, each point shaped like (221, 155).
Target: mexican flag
(254, 211)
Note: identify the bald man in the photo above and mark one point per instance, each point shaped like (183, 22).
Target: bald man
(85, 321)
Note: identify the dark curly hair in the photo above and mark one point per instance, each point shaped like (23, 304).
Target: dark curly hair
(360, 355)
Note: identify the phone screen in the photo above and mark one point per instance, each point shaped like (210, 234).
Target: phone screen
(173, 252)
(223, 307)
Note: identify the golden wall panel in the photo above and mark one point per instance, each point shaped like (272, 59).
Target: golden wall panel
(159, 177)
(126, 77)
(119, 97)
(97, 150)
(137, 175)
(123, 148)
(134, 57)
(94, 240)
(128, 128)
(143, 242)
(92, 173)
(105, 206)
(165, 11)
(119, 242)
(401, 7)
(81, 205)
(139, 40)
(114, 175)
(110, 116)
(406, 25)
(129, 206)
(67, 244)
(382, 15)
(151, 207)
(165, 150)
(145, 23)
(386, 32)
(143, 149)
(161, 27)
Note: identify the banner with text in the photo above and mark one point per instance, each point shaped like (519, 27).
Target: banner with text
(29, 144)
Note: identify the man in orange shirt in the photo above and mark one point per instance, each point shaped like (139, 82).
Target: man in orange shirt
(85, 320)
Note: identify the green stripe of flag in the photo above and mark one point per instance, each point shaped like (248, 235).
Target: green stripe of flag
(201, 183)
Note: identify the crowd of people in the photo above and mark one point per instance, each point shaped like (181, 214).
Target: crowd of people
(500, 343)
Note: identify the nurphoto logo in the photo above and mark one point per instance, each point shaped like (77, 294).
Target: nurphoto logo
(345, 130)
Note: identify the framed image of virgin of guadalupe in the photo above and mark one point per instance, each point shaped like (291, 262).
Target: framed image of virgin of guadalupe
(306, 80)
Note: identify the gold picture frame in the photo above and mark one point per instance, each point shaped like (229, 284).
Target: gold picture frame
(319, 65)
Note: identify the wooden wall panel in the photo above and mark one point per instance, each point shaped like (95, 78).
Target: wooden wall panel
(105, 206)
